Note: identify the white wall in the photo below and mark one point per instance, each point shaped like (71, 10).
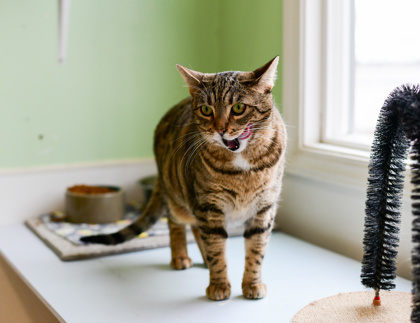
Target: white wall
(29, 193)
(331, 215)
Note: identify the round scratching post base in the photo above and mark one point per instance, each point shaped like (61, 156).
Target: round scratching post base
(358, 307)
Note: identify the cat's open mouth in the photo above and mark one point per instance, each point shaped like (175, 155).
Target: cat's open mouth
(236, 143)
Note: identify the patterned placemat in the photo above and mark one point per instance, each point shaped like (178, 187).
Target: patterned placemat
(74, 231)
(64, 237)
(358, 307)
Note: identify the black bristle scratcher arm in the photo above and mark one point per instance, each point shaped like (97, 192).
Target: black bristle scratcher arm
(385, 185)
(398, 127)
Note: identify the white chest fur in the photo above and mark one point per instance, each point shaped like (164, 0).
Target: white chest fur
(241, 162)
(238, 215)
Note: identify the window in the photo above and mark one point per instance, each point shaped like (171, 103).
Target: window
(387, 54)
(371, 47)
(325, 170)
(351, 55)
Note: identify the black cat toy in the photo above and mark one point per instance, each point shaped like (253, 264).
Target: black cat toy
(397, 130)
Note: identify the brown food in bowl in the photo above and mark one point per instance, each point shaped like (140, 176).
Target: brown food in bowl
(87, 189)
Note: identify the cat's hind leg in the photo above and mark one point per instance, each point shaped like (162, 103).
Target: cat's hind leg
(178, 218)
(200, 244)
(180, 259)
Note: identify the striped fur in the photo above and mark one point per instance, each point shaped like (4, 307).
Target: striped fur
(205, 183)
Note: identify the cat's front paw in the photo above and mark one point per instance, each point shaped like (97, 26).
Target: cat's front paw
(254, 291)
(218, 292)
(180, 263)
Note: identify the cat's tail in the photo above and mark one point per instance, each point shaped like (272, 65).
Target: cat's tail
(153, 212)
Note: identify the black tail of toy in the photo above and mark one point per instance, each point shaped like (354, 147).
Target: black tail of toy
(397, 129)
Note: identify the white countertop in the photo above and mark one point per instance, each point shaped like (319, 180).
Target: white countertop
(141, 286)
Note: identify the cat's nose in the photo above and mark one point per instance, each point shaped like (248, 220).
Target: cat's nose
(221, 132)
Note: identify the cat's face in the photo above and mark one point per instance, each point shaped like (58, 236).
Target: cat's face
(230, 108)
(228, 111)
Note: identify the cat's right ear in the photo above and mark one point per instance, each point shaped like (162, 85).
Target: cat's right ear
(192, 78)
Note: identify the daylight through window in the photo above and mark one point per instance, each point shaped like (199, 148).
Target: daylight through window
(375, 46)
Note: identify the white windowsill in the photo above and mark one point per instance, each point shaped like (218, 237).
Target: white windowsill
(328, 164)
(142, 287)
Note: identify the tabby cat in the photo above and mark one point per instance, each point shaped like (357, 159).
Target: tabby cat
(220, 155)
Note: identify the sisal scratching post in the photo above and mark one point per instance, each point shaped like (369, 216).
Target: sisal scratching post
(356, 307)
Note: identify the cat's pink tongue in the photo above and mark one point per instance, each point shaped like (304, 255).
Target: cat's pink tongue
(247, 132)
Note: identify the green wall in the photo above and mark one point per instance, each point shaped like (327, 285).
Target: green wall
(252, 36)
(120, 75)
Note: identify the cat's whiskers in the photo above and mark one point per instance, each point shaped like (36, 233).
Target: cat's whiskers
(261, 125)
(264, 138)
(178, 149)
(187, 134)
(185, 124)
(185, 140)
(193, 145)
(198, 147)
(269, 128)
(194, 136)
(264, 120)
(269, 118)
(261, 131)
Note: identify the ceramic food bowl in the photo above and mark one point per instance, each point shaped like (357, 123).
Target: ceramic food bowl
(94, 204)
(147, 184)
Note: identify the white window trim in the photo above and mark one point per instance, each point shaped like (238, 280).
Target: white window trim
(304, 100)
(324, 186)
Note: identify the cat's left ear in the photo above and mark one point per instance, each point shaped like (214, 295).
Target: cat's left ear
(262, 79)
(192, 78)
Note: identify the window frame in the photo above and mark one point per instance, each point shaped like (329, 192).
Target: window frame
(305, 94)
(324, 187)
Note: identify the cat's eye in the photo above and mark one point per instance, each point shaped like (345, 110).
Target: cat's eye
(206, 110)
(238, 108)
